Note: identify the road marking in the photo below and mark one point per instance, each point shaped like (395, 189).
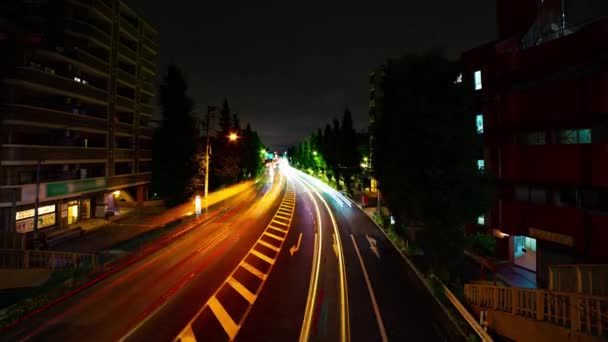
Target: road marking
(372, 245)
(281, 223)
(242, 290)
(266, 244)
(334, 245)
(278, 238)
(262, 256)
(253, 270)
(188, 334)
(296, 247)
(281, 210)
(222, 315)
(278, 229)
(283, 217)
(371, 293)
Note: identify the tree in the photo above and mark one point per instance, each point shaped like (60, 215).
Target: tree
(251, 161)
(425, 155)
(176, 141)
(225, 153)
(349, 156)
(335, 150)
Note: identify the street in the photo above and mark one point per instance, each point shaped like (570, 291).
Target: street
(296, 262)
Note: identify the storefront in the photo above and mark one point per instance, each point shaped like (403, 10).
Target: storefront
(46, 218)
(524, 252)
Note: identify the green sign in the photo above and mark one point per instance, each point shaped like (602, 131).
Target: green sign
(85, 185)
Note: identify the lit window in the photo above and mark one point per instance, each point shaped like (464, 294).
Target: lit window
(537, 138)
(479, 123)
(480, 165)
(459, 78)
(77, 79)
(477, 79)
(575, 136)
(481, 220)
(584, 136)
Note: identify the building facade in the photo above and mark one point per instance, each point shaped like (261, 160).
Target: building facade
(76, 92)
(541, 106)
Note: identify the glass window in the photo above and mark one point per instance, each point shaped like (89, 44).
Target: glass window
(574, 136)
(538, 195)
(481, 220)
(481, 165)
(567, 136)
(566, 198)
(522, 193)
(584, 136)
(479, 123)
(477, 77)
(537, 138)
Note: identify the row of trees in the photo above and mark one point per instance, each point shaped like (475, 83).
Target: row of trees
(425, 152)
(178, 165)
(333, 152)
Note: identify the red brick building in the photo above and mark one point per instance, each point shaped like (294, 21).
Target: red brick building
(541, 107)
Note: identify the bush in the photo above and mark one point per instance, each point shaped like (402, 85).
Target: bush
(482, 244)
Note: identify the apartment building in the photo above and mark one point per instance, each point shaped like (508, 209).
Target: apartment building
(76, 96)
(541, 94)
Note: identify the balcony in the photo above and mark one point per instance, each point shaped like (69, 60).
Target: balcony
(35, 152)
(128, 28)
(146, 131)
(124, 128)
(126, 77)
(145, 154)
(580, 165)
(148, 88)
(58, 84)
(88, 30)
(146, 109)
(129, 180)
(123, 154)
(126, 51)
(519, 217)
(53, 117)
(149, 66)
(124, 102)
(81, 58)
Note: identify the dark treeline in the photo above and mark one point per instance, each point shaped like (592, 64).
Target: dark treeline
(179, 145)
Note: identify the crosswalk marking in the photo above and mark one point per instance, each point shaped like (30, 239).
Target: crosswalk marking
(284, 217)
(284, 211)
(278, 229)
(281, 223)
(262, 256)
(242, 290)
(222, 315)
(266, 244)
(253, 270)
(278, 238)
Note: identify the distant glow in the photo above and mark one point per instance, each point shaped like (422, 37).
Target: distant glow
(500, 234)
(392, 220)
(233, 136)
(481, 165)
(77, 79)
(314, 153)
(479, 123)
(481, 220)
(459, 79)
(197, 204)
(116, 193)
(477, 77)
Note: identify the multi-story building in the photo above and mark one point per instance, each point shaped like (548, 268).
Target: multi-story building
(376, 78)
(76, 89)
(541, 94)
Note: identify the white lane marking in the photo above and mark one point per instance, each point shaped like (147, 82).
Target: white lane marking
(371, 293)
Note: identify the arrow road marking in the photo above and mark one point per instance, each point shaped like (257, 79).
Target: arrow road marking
(372, 245)
(296, 247)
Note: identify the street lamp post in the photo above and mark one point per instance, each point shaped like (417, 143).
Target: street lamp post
(210, 109)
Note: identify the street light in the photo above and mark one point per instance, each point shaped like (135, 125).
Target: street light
(314, 153)
(233, 136)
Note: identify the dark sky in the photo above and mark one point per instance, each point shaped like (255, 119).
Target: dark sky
(289, 67)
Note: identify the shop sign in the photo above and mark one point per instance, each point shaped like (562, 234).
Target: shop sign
(64, 188)
(561, 239)
(27, 225)
(30, 212)
(64, 210)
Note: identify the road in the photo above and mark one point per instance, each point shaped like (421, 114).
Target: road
(154, 298)
(296, 262)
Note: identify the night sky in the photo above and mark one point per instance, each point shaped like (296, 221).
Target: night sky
(290, 67)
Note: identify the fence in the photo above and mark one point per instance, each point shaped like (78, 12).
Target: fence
(583, 278)
(24, 259)
(582, 314)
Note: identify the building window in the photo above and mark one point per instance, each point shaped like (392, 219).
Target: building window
(574, 136)
(567, 198)
(532, 194)
(481, 220)
(480, 165)
(479, 123)
(536, 138)
(458, 79)
(477, 77)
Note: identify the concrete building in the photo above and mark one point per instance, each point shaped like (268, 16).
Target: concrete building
(541, 94)
(76, 91)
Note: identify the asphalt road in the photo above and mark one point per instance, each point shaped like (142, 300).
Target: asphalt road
(155, 297)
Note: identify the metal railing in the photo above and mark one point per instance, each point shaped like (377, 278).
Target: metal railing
(582, 314)
(26, 259)
(582, 278)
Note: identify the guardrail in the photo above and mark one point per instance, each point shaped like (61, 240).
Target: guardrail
(582, 314)
(583, 278)
(479, 330)
(26, 259)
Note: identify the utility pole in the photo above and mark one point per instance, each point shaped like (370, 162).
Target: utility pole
(36, 203)
(210, 109)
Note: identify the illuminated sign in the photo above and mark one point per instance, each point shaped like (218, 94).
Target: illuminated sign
(562, 239)
(27, 225)
(30, 212)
